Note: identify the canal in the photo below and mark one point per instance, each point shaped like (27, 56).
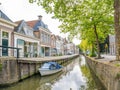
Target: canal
(75, 76)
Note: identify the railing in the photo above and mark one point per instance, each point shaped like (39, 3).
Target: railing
(9, 50)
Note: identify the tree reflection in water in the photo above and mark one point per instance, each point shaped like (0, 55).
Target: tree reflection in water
(75, 76)
(93, 83)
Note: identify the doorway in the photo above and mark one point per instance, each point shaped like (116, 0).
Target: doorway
(5, 50)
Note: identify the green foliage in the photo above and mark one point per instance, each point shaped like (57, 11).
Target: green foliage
(93, 50)
(26, 54)
(118, 76)
(117, 64)
(87, 19)
(90, 82)
(84, 45)
(93, 54)
(0, 67)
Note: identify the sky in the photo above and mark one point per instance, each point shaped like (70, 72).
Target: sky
(23, 10)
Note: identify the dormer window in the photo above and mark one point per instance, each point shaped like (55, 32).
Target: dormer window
(28, 31)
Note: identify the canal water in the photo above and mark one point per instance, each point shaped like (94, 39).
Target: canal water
(75, 76)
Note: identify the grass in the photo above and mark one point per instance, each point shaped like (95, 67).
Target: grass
(118, 76)
(0, 67)
(117, 64)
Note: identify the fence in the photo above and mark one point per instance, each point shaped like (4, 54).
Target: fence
(9, 51)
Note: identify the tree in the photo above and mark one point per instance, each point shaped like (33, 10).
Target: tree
(117, 27)
(91, 19)
(84, 46)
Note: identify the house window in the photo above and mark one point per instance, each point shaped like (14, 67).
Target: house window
(20, 42)
(5, 42)
(42, 39)
(5, 34)
(28, 31)
(45, 38)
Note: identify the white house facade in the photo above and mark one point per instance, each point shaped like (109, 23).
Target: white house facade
(25, 39)
(112, 46)
(6, 35)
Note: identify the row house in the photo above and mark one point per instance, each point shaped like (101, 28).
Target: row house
(76, 50)
(6, 35)
(65, 46)
(44, 34)
(70, 48)
(25, 39)
(112, 47)
(53, 45)
(59, 45)
(32, 37)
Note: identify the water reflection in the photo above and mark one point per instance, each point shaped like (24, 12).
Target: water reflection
(46, 82)
(92, 82)
(75, 76)
(71, 79)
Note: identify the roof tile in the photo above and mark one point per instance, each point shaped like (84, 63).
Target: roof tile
(32, 23)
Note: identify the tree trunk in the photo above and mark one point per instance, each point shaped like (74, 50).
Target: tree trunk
(97, 41)
(117, 27)
(93, 54)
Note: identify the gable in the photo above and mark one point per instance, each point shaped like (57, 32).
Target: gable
(5, 17)
(22, 32)
(40, 23)
(23, 28)
(28, 31)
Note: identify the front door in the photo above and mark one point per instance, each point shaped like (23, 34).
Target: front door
(5, 50)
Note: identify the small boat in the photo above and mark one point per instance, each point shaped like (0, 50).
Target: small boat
(49, 68)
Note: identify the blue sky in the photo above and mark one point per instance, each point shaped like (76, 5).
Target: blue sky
(22, 9)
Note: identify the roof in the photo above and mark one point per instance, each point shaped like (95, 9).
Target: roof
(18, 22)
(35, 24)
(38, 24)
(22, 26)
(32, 23)
(18, 25)
(4, 16)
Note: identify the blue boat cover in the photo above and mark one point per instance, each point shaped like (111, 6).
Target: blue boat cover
(51, 65)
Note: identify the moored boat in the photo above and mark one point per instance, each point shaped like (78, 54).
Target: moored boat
(49, 68)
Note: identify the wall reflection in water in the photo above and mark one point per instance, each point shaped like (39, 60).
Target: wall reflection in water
(75, 76)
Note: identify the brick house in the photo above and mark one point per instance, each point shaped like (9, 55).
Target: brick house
(25, 39)
(44, 34)
(53, 45)
(6, 34)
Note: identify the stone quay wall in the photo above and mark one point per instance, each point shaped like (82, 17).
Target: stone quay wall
(106, 72)
(13, 70)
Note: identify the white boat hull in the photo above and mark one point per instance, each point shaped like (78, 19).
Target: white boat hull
(44, 72)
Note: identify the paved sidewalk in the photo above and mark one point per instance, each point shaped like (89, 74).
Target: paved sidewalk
(48, 58)
(107, 57)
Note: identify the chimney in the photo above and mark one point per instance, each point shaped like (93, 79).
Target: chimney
(40, 17)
